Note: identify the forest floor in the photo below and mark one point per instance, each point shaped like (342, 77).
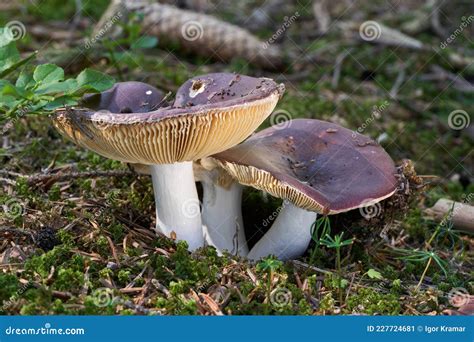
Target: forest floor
(83, 243)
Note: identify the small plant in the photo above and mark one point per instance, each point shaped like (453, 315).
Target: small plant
(319, 229)
(337, 243)
(445, 230)
(421, 257)
(428, 255)
(26, 89)
(119, 50)
(269, 266)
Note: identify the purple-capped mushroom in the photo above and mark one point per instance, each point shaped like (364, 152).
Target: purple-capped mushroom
(316, 167)
(210, 114)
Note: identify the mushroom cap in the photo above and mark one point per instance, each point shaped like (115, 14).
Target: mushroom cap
(210, 114)
(316, 165)
(125, 97)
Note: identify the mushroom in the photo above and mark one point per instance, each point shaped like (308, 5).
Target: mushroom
(126, 97)
(316, 167)
(221, 209)
(210, 114)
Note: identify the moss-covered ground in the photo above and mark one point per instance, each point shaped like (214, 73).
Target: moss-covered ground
(85, 245)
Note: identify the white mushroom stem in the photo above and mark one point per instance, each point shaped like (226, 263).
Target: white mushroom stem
(222, 217)
(177, 203)
(289, 236)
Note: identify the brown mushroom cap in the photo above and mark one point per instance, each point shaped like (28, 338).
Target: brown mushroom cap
(316, 165)
(199, 123)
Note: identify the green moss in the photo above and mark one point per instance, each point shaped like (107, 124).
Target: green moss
(327, 303)
(436, 151)
(68, 278)
(23, 188)
(101, 245)
(42, 264)
(372, 302)
(124, 276)
(54, 193)
(415, 225)
(65, 237)
(178, 305)
(9, 286)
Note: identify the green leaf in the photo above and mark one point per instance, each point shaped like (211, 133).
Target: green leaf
(9, 56)
(373, 274)
(24, 80)
(145, 42)
(269, 264)
(8, 102)
(67, 86)
(90, 79)
(15, 65)
(48, 73)
(39, 105)
(60, 102)
(10, 90)
(5, 39)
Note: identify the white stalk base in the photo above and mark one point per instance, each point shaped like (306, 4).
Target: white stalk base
(289, 236)
(222, 218)
(177, 203)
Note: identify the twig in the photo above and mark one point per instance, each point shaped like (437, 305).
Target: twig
(7, 181)
(350, 287)
(139, 308)
(458, 82)
(18, 231)
(435, 22)
(114, 251)
(140, 275)
(337, 68)
(398, 83)
(423, 275)
(11, 173)
(323, 19)
(42, 178)
(160, 287)
(301, 264)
